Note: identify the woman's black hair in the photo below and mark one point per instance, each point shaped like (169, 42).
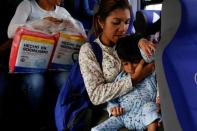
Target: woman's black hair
(127, 48)
(104, 9)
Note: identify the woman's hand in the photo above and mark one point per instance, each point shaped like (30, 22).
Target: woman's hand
(117, 111)
(54, 20)
(147, 46)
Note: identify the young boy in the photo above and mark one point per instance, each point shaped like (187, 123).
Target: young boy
(136, 110)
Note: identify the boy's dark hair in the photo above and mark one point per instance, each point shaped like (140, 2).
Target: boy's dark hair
(127, 48)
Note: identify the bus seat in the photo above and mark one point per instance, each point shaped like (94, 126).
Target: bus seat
(176, 65)
(81, 10)
(147, 22)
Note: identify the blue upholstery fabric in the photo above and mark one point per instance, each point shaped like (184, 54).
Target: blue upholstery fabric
(81, 10)
(180, 65)
(84, 12)
(147, 22)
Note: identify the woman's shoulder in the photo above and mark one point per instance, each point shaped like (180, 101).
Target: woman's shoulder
(27, 2)
(85, 52)
(62, 10)
(24, 5)
(85, 47)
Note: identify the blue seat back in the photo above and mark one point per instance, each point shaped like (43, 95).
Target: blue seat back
(177, 58)
(81, 10)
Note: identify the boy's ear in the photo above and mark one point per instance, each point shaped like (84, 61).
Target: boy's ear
(122, 67)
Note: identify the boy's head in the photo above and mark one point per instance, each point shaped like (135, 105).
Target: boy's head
(128, 52)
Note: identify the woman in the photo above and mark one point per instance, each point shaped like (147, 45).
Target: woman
(33, 85)
(111, 22)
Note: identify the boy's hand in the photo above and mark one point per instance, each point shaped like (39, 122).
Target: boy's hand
(158, 100)
(117, 111)
(158, 103)
(142, 70)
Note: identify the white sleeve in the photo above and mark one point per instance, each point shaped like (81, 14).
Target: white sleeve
(63, 13)
(20, 17)
(98, 89)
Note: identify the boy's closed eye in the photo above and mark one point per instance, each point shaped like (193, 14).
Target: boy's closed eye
(130, 66)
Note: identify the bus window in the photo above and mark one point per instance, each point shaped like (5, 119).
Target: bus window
(151, 4)
(153, 7)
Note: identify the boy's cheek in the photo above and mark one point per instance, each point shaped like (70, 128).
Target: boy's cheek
(130, 71)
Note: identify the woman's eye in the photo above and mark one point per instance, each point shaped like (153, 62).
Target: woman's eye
(127, 22)
(116, 22)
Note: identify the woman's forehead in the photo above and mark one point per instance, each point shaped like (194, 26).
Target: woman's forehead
(120, 13)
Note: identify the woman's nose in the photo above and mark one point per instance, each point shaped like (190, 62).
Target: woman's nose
(123, 27)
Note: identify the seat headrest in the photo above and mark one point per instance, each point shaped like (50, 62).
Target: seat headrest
(147, 22)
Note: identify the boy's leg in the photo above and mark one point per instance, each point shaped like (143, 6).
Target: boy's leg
(153, 126)
(111, 124)
(150, 116)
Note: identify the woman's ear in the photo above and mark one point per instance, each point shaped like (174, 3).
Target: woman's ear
(101, 23)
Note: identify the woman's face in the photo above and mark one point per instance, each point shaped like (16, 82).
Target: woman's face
(54, 2)
(114, 26)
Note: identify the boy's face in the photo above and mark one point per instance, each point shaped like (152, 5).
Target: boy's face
(130, 67)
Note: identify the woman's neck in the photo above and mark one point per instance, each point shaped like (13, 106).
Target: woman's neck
(106, 42)
(44, 4)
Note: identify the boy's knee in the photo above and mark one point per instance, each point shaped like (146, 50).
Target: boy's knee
(149, 107)
(94, 129)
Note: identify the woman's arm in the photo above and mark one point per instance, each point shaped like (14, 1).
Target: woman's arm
(99, 90)
(143, 69)
(20, 17)
(147, 46)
